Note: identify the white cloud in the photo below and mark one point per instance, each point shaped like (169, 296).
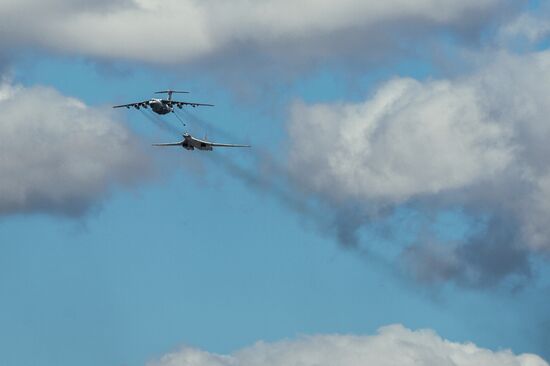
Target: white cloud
(409, 139)
(58, 155)
(479, 142)
(175, 31)
(393, 345)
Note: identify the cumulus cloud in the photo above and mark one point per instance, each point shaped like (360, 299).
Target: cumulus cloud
(58, 155)
(393, 345)
(477, 142)
(176, 31)
(405, 141)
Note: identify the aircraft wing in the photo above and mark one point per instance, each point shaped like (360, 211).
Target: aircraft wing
(145, 103)
(169, 144)
(180, 104)
(217, 144)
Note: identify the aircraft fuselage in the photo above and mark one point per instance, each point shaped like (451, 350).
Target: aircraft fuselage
(190, 143)
(158, 106)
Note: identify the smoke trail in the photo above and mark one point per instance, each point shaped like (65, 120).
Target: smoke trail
(207, 126)
(310, 210)
(265, 184)
(161, 124)
(263, 159)
(267, 175)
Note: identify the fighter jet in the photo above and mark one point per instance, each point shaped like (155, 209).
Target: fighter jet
(191, 143)
(162, 106)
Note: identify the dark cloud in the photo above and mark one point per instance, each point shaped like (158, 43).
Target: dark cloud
(491, 257)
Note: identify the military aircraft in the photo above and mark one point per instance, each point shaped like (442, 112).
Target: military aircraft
(162, 106)
(191, 143)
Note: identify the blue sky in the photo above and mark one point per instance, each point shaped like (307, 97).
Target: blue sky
(193, 254)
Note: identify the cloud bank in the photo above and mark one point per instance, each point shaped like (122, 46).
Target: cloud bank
(58, 155)
(477, 142)
(393, 345)
(177, 31)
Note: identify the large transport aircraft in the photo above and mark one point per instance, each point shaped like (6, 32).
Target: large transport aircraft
(162, 106)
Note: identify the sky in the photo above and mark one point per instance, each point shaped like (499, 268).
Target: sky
(392, 209)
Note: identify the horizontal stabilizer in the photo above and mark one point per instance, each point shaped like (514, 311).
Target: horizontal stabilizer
(171, 91)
